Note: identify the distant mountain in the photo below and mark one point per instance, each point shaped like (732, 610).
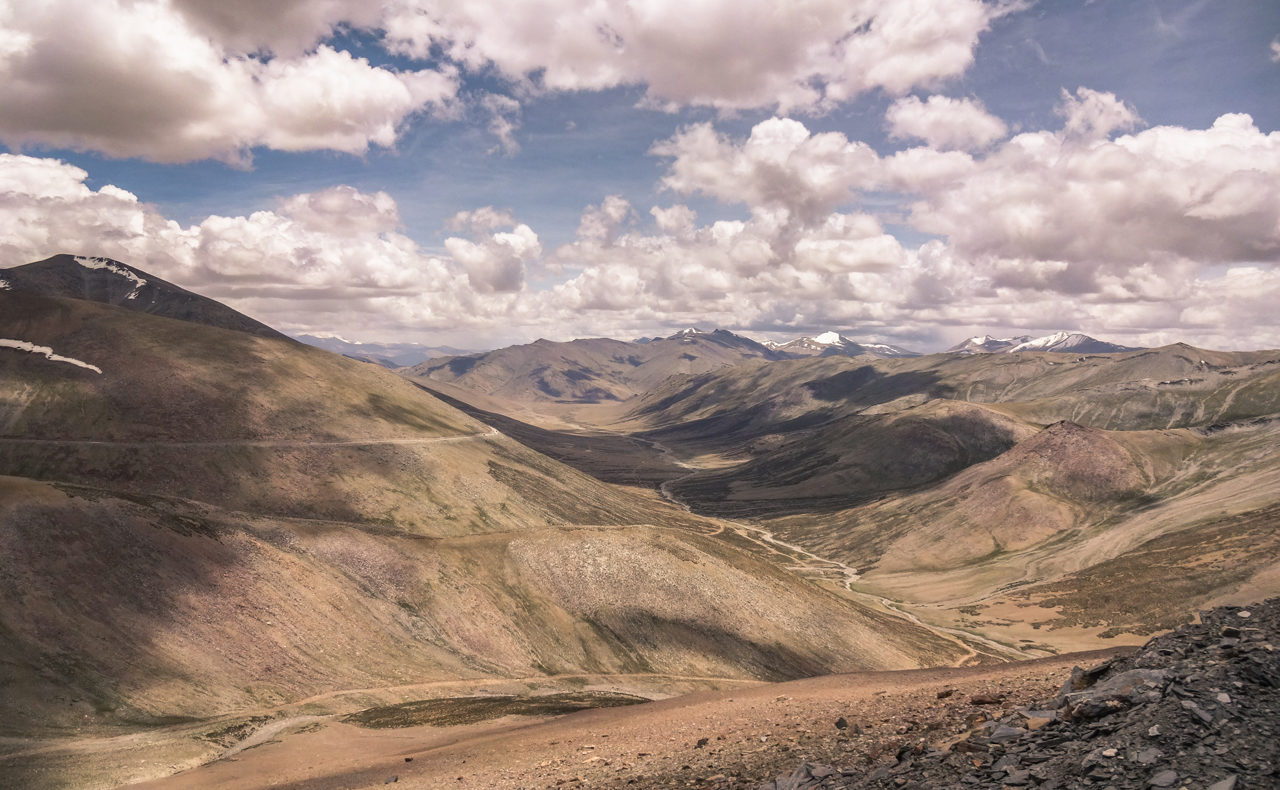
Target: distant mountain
(1062, 342)
(389, 355)
(112, 282)
(1070, 342)
(830, 344)
(594, 370)
(986, 344)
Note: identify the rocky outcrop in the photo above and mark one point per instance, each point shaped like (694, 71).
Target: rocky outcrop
(1198, 707)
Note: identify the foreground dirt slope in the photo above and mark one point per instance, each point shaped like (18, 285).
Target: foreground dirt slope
(1196, 708)
(750, 735)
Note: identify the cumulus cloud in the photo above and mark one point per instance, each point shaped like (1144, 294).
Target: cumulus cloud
(1275, 50)
(141, 79)
(1092, 115)
(179, 80)
(944, 123)
(728, 54)
(780, 166)
(1054, 211)
(337, 245)
(1141, 236)
(494, 260)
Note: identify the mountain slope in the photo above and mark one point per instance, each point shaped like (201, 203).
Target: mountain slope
(218, 523)
(589, 371)
(111, 282)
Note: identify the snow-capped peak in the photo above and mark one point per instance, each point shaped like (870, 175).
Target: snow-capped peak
(5, 286)
(829, 339)
(693, 330)
(978, 341)
(1039, 343)
(114, 268)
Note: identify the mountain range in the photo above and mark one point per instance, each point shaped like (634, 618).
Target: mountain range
(1059, 342)
(213, 536)
(203, 522)
(389, 355)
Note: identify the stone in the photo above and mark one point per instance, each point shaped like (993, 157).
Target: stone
(1164, 778)
(986, 699)
(842, 723)
(1003, 732)
(1226, 784)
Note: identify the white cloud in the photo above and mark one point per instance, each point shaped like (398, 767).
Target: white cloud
(781, 166)
(728, 54)
(1147, 237)
(140, 79)
(1275, 50)
(495, 262)
(1093, 115)
(1054, 210)
(944, 123)
(504, 119)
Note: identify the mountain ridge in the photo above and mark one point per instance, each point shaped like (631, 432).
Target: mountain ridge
(112, 282)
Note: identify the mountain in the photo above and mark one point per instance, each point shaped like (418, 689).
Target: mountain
(199, 525)
(111, 282)
(590, 371)
(1071, 343)
(834, 343)
(986, 344)
(389, 355)
(1027, 487)
(1061, 342)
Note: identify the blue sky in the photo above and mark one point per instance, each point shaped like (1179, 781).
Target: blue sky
(358, 184)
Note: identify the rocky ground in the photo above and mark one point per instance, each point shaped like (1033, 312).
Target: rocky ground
(1196, 708)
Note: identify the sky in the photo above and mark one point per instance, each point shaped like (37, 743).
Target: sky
(484, 173)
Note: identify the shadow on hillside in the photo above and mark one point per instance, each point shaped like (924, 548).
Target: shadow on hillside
(848, 462)
(609, 457)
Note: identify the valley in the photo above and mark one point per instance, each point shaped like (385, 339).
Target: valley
(224, 550)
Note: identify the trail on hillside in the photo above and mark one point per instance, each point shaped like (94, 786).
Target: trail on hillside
(823, 566)
(492, 432)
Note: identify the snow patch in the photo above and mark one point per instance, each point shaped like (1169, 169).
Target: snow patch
(114, 268)
(829, 339)
(22, 345)
(5, 286)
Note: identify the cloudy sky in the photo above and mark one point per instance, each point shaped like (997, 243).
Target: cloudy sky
(486, 172)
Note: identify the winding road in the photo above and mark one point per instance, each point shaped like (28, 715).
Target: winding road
(823, 566)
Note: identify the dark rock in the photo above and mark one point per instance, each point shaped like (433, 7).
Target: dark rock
(986, 699)
(1226, 784)
(1164, 778)
(701, 743)
(842, 723)
(946, 693)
